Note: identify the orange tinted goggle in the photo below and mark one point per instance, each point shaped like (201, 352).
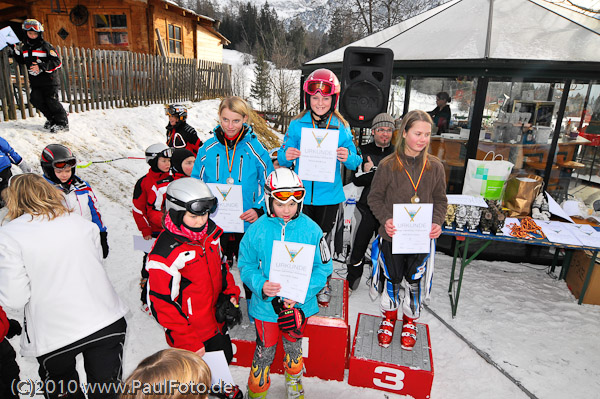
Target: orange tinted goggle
(326, 88)
(285, 195)
(32, 25)
(64, 164)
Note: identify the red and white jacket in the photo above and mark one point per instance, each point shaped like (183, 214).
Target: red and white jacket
(147, 218)
(186, 276)
(4, 324)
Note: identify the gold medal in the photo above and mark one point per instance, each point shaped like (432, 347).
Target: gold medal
(415, 199)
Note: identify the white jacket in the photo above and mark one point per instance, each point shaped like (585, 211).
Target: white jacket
(53, 269)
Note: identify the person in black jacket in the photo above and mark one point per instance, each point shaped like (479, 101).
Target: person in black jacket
(179, 133)
(441, 114)
(372, 153)
(42, 62)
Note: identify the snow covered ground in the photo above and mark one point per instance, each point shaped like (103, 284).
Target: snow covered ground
(527, 322)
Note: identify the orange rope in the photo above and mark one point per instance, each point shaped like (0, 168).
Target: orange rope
(528, 229)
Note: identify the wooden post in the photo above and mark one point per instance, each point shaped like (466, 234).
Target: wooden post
(66, 82)
(3, 85)
(20, 89)
(80, 79)
(27, 90)
(8, 86)
(92, 80)
(85, 78)
(161, 44)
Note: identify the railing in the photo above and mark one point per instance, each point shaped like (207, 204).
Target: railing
(101, 79)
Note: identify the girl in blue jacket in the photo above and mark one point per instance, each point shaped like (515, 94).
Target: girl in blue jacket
(321, 94)
(284, 194)
(8, 156)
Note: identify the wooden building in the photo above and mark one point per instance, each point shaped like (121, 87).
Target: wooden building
(132, 25)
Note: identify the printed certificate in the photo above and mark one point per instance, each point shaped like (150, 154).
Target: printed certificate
(291, 266)
(413, 225)
(318, 154)
(231, 206)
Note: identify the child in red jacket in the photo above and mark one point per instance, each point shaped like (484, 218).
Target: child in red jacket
(158, 156)
(9, 369)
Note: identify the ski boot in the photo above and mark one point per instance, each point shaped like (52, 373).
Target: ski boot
(386, 328)
(293, 384)
(59, 128)
(48, 125)
(324, 296)
(256, 395)
(409, 333)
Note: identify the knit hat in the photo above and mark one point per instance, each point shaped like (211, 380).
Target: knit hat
(383, 120)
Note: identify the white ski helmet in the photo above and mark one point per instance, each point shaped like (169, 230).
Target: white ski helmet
(155, 151)
(284, 185)
(192, 195)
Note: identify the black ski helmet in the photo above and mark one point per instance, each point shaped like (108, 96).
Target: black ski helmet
(157, 150)
(178, 110)
(179, 155)
(57, 156)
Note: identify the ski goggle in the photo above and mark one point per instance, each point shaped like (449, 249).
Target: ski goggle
(64, 164)
(198, 207)
(284, 195)
(314, 86)
(32, 24)
(168, 153)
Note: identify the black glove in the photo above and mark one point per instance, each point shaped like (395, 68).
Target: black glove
(226, 312)
(104, 243)
(14, 328)
(291, 320)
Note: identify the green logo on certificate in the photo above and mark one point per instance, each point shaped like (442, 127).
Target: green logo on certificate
(293, 253)
(319, 138)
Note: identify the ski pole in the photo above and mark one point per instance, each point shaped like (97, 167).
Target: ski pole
(106, 161)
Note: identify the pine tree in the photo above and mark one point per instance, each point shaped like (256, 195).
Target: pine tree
(260, 86)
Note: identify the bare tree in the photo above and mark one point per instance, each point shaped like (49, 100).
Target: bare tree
(284, 83)
(376, 15)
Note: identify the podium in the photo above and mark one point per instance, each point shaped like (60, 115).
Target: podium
(390, 369)
(325, 345)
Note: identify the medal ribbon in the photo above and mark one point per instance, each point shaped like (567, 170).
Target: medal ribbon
(410, 178)
(328, 122)
(230, 165)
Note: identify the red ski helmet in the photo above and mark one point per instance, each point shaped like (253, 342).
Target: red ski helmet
(322, 81)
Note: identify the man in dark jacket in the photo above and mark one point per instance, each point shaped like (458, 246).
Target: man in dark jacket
(42, 62)
(372, 153)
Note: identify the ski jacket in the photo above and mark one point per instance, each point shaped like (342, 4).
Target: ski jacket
(183, 135)
(4, 324)
(8, 156)
(364, 179)
(320, 193)
(184, 283)
(45, 56)
(250, 166)
(157, 195)
(54, 269)
(147, 218)
(255, 261)
(392, 186)
(81, 199)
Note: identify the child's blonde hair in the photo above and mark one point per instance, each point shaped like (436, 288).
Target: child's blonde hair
(235, 104)
(179, 365)
(400, 143)
(32, 194)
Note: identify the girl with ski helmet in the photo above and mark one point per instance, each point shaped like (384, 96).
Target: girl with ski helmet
(273, 315)
(323, 199)
(59, 166)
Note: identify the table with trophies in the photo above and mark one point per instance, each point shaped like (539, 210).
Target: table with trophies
(468, 224)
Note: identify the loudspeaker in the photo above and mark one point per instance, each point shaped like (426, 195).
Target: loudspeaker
(366, 78)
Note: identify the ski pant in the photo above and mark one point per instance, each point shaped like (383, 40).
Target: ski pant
(325, 216)
(5, 175)
(396, 267)
(144, 273)
(364, 232)
(103, 362)
(230, 245)
(45, 99)
(267, 335)
(9, 371)
(220, 342)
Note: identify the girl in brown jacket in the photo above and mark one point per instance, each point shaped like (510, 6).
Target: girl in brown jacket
(410, 174)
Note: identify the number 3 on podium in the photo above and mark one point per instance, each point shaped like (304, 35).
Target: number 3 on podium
(392, 378)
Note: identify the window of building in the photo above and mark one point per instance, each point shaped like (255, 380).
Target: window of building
(175, 40)
(111, 29)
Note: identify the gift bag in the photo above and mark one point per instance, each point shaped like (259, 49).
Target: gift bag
(520, 194)
(487, 177)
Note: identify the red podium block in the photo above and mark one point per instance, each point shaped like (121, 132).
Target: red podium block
(390, 369)
(326, 342)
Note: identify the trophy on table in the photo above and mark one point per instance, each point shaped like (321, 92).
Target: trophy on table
(473, 217)
(450, 216)
(487, 219)
(460, 217)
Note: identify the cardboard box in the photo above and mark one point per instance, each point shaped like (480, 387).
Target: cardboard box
(577, 273)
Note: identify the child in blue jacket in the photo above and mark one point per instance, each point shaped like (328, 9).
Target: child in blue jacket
(284, 221)
(8, 156)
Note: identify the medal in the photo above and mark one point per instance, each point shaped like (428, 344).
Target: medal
(230, 180)
(415, 199)
(230, 162)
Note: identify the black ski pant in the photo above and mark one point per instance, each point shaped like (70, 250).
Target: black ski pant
(45, 99)
(324, 216)
(102, 358)
(364, 232)
(9, 371)
(5, 175)
(220, 342)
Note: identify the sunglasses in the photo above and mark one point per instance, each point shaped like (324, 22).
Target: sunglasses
(198, 207)
(32, 25)
(64, 164)
(325, 88)
(284, 195)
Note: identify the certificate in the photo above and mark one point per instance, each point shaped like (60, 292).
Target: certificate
(231, 206)
(7, 36)
(139, 244)
(318, 154)
(413, 225)
(291, 266)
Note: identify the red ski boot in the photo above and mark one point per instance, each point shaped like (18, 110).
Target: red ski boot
(386, 328)
(409, 333)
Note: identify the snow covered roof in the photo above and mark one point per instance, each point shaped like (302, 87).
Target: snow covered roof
(532, 30)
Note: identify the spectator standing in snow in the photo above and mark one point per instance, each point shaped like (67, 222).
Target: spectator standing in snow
(51, 264)
(179, 133)
(9, 369)
(8, 156)
(59, 166)
(42, 62)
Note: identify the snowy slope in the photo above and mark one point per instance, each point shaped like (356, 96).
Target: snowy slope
(528, 323)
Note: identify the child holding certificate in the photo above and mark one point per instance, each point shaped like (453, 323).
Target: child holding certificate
(320, 120)
(409, 175)
(283, 226)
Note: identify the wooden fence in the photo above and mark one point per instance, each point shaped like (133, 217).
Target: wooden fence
(101, 79)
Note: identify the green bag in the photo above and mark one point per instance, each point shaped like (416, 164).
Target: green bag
(487, 177)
